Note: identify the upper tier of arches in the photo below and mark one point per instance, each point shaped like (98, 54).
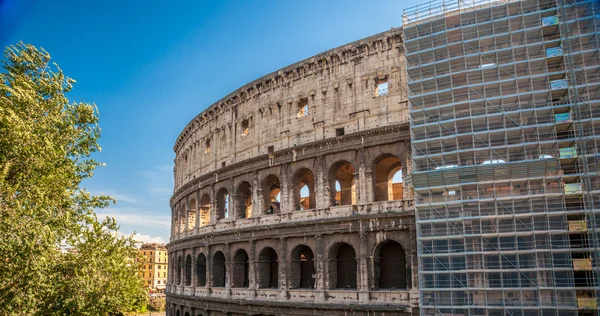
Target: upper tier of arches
(349, 89)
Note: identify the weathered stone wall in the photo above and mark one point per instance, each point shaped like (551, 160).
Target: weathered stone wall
(338, 85)
(264, 238)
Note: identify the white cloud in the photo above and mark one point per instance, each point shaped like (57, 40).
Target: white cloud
(137, 219)
(148, 239)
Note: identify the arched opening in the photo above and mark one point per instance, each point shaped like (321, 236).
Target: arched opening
(241, 268)
(342, 183)
(268, 269)
(218, 270)
(388, 178)
(201, 270)
(244, 200)
(303, 268)
(179, 269)
(304, 189)
(191, 215)
(271, 189)
(223, 203)
(204, 210)
(390, 266)
(188, 270)
(178, 313)
(342, 267)
(187, 314)
(182, 218)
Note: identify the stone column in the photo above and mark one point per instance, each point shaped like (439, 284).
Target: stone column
(361, 189)
(209, 269)
(283, 268)
(197, 224)
(257, 206)
(321, 185)
(369, 195)
(364, 274)
(213, 206)
(193, 271)
(228, 270)
(320, 261)
(252, 280)
(287, 190)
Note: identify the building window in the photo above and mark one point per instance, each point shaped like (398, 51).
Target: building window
(271, 149)
(303, 107)
(339, 131)
(245, 128)
(207, 146)
(381, 87)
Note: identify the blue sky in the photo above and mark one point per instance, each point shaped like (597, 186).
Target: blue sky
(151, 66)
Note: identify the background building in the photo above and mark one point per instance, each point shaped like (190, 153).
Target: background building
(505, 122)
(155, 268)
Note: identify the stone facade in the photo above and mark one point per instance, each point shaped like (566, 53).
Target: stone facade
(284, 200)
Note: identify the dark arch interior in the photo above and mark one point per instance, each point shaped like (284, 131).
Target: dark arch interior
(201, 270)
(188, 270)
(268, 269)
(179, 269)
(346, 267)
(302, 268)
(244, 200)
(241, 268)
(218, 270)
(391, 264)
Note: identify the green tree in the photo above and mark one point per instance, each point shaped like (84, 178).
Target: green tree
(46, 143)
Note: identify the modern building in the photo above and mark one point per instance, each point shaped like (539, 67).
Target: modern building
(155, 265)
(504, 101)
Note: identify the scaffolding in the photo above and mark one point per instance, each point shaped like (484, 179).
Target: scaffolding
(504, 103)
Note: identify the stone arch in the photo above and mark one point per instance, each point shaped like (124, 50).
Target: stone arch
(268, 268)
(385, 187)
(390, 266)
(342, 266)
(201, 270)
(187, 314)
(204, 210)
(302, 268)
(223, 200)
(179, 269)
(219, 270)
(188, 270)
(342, 173)
(191, 215)
(243, 196)
(241, 269)
(304, 179)
(271, 189)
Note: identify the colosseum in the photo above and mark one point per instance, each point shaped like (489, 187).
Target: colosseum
(289, 197)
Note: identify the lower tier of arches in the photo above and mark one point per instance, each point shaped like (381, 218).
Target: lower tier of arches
(182, 305)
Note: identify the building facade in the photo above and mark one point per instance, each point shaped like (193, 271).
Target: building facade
(288, 194)
(505, 121)
(155, 268)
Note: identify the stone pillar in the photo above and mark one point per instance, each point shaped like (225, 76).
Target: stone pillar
(193, 270)
(283, 268)
(213, 206)
(252, 279)
(369, 195)
(320, 261)
(198, 208)
(228, 270)
(287, 190)
(361, 189)
(173, 215)
(364, 274)
(178, 220)
(256, 196)
(321, 185)
(209, 269)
